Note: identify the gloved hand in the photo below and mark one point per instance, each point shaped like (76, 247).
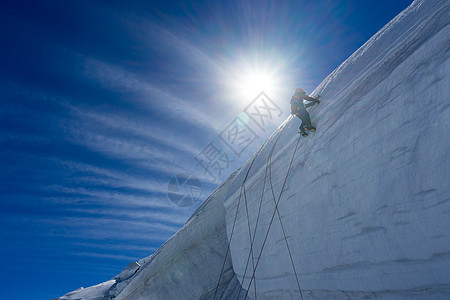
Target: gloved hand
(317, 99)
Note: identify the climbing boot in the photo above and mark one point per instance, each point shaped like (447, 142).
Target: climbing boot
(303, 132)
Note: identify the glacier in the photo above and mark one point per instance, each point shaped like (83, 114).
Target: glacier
(364, 208)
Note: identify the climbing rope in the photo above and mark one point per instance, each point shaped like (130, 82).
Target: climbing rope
(284, 231)
(250, 236)
(271, 220)
(235, 218)
(237, 209)
(234, 223)
(259, 211)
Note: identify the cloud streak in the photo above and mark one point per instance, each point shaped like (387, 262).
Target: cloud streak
(148, 95)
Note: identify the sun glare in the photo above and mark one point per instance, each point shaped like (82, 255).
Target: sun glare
(252, 74)
(255, 82)
(250, 82)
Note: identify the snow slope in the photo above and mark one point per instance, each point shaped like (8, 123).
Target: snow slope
(365, 206)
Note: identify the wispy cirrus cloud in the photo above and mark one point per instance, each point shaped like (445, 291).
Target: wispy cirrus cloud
(191, 53)
(115, 246)
(142, 155)
(147, 94)
(111, 182)
(148, 131)
(98, 227)
(105, 255)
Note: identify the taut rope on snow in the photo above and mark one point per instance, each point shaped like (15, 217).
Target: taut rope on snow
(269, 165)
(252, 237)
(234, 222)
(257, 218)
(271, 220)
(235, 218)
(284, 231)
(237, 208)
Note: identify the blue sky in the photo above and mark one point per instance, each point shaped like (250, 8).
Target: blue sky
(103, 102)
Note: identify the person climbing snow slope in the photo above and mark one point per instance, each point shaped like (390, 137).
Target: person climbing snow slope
(298, 108)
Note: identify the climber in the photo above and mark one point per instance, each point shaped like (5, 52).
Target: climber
(298, 108)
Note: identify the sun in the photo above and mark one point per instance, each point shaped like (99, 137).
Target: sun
(249, 75)
(249, 82)
(254, 82)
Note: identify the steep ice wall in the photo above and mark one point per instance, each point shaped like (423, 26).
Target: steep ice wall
(366, 206)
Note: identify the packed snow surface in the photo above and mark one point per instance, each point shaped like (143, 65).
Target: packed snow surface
(365, 206)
